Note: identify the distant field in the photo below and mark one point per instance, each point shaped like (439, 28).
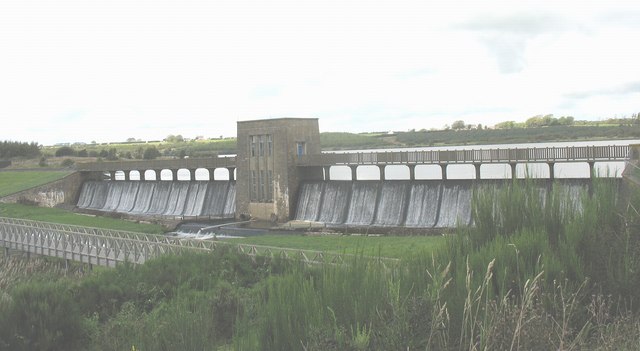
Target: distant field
(13, 182)
(384, 246)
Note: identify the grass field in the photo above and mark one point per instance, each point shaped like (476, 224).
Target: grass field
(383, 246)
(55, 215)
(13, 182)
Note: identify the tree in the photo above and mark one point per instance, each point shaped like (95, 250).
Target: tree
(151, 153)
(458, 125)
(9, 149)
(506, 125)
(112, 154)
(174, 138)
(533, 122)
(65, 151)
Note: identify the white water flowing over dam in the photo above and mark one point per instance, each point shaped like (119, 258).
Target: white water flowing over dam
(215, 199)
(401, 203)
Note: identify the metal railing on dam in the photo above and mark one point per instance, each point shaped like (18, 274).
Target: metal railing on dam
(106, 247)
(515, 155)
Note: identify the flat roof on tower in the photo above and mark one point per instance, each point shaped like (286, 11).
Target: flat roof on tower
(280, 119)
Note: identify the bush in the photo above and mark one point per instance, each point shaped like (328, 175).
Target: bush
(65, 151)
(42, 316)
(67, 163)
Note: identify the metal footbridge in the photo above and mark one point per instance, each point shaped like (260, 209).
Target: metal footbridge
(109, 248)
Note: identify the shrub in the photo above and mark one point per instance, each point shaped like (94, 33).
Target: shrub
(42, 316)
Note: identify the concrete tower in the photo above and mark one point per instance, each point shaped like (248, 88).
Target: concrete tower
(267, 175)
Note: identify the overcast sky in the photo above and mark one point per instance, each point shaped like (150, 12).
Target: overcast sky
(85, 70)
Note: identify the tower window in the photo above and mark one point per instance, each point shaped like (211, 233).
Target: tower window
(254, 139)
(301, 148)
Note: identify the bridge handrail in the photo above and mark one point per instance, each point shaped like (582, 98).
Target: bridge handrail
(544, 154)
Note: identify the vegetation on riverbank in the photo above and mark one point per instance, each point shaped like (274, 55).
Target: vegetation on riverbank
(61, 216)
(372, 246)
(535, 272)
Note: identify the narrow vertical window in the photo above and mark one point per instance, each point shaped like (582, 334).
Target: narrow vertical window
(270, 185)
(269, 145)
(261, 191)
(252, 187)
(300, 148)
(253, 145)
(261, 148)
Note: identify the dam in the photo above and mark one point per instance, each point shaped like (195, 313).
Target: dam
(280, 174)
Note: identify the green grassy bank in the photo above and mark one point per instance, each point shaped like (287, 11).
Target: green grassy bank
(13, 182)
(56, 215)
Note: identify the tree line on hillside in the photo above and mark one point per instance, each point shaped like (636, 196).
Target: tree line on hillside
(148, 153)
(516, 135)
(551, 121)
(10, 149)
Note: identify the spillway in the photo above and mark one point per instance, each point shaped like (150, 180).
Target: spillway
(363, 203)
(392, 203)
(160, 198)
(424, 201)
(403, 203)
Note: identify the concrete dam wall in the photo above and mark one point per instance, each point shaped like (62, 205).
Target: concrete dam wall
(399, 203)
(216, 199)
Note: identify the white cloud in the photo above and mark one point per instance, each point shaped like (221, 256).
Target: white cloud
(109, 70)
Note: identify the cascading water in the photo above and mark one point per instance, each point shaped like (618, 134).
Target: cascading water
(215, 199)
(113, 196)
(309, 198)
(392, 203)
(195, 199)
(150, 198)
(424, 202)
(145, 195)
(177, 198)
(362, 207)
(99, 195)
(455, 205)
(160, 198)
(128, 197)
(418, 204)
(230, 203)
(335, 202)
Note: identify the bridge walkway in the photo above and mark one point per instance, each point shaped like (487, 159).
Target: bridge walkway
(109, 248)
